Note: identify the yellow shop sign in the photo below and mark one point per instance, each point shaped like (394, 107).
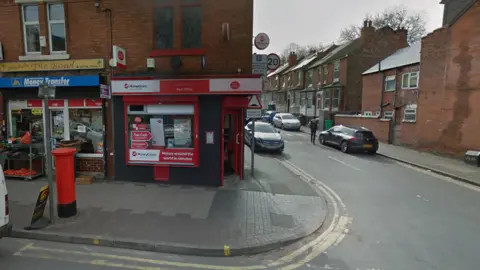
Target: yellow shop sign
(80, 64)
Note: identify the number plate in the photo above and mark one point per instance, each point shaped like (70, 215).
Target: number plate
(367, 146)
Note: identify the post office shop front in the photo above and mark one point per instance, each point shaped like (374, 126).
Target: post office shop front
(76, 115)
(187, 131)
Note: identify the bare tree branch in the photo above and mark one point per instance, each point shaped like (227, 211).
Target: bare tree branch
(300, 50)
(395, 17)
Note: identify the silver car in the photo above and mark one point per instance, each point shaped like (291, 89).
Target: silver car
(286, 121)
(267, 138)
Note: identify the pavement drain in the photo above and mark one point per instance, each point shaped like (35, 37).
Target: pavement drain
(283, 221)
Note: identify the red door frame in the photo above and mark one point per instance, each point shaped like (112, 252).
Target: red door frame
(236, 142)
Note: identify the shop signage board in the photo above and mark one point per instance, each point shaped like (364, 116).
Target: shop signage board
(164, 156)
(80, 64)
(136, 86)
(39, 209)
(261, 41)
(105, 91)
(141, 136)
(259, 64)
(119, 57)
(56, 81)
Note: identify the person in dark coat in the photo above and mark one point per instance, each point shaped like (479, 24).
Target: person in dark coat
(313, 129)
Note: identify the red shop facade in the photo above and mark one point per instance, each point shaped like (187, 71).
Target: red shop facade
(182, 131)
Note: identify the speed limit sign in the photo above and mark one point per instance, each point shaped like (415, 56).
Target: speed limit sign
(273, 61)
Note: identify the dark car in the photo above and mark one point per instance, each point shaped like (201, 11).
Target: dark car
(267, 138)
(350, 139)
(268, 116)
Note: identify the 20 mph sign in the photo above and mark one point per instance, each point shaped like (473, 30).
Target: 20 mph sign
(273, 61)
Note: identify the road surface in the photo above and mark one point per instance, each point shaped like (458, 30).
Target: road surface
(399, 218)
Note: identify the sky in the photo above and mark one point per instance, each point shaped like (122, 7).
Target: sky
(320, 21)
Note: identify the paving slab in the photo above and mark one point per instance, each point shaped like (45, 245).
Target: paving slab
(249, 216)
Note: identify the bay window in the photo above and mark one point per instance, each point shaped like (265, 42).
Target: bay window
(326, 100)
(309, 99)
(56, 27)
(336, 99)
(309, 83)
(31, 29)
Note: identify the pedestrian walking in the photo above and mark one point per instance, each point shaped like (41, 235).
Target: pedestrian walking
(313, 129)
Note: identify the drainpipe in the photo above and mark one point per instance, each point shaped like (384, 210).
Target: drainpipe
(383, 87)
(394, 105)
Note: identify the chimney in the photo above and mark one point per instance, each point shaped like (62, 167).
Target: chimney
(367, 31)
(404, 34)
(292, 59)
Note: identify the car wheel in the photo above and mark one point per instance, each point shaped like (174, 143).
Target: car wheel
(321, 139)
(372, 152)
(344, 147)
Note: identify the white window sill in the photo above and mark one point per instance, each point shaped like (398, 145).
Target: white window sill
(385, 119)
(390, 90)
(409, 121)
(336, 80)
(37, 57)
(85, 155)
(409, 88)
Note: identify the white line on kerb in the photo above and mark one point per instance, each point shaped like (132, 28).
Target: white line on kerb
(346, 164)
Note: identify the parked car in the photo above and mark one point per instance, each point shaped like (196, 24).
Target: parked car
(350, 139)
(268, 116)
(286, 121)
(5, 226)
(267, 138)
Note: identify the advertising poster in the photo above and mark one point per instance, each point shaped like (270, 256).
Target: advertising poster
(182, 131)
(158, 133)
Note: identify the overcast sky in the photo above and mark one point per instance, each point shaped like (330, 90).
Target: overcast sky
(320, 21)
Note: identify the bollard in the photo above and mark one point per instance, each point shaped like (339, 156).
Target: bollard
(65, 177)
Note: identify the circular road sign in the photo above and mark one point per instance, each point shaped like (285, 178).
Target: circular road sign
(273, 61)
(262, 41)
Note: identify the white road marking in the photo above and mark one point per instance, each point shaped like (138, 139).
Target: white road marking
(346, 164)
(441, 177)
(331, 236)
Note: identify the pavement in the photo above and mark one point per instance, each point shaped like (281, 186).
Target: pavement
(260, 213)
(449, 167)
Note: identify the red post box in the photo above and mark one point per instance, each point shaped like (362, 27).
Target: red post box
(65, 166)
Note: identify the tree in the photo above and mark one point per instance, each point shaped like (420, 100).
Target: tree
(300, 50)
(396, 17)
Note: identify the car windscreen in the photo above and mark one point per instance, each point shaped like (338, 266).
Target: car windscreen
(287, 116)
(264, 129)
(364, 135)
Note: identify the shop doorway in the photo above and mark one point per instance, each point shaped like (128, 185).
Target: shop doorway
(233, 142)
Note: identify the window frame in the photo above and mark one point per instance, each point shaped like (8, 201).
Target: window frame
(327, 97)
(414, 113)
(176, 9)
(409, 79)
(50, 22)
(367, 113)
(389, 79)
(336, 90)
(24, 25)
(388, 117)
(182, 6)
(309, 79)
(336, 71)
(320, 99)
(325, 74)
(299, 77)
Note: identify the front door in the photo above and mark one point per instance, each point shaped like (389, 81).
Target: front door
(233, 141)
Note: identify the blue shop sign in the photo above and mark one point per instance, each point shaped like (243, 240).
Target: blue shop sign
(58, 81)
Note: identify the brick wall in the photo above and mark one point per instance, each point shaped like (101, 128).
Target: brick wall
(379, 127)
(88, 33)
(90, 165)
(448, 111)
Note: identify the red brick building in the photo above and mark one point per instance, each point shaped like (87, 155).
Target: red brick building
(390, 91)
(448, 112)
(339, 73)
(202, 45)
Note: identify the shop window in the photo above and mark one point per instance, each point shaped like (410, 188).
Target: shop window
(21, 120)
(31, 29)
(86, 126)
(56, 28)
(161, 134)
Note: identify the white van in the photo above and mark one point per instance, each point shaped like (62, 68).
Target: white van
(5, 227)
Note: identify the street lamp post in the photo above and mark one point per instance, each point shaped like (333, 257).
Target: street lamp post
(45, 92)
